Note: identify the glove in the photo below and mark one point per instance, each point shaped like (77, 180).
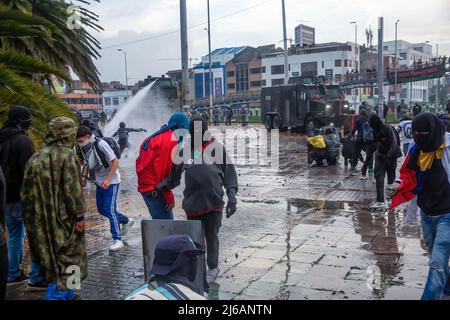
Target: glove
(231, 209)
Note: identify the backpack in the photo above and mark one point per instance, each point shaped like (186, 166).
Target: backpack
(368, 132)
(114, 146)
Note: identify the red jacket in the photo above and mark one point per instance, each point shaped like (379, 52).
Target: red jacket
(155, 164)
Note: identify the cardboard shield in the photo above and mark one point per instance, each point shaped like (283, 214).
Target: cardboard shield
(155, 230)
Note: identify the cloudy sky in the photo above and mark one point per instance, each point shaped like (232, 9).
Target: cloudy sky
(250, 22)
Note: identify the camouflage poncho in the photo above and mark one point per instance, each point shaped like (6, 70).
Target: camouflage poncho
(53, 201)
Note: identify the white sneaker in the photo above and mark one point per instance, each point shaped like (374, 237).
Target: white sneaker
(211, 275)
(325, 162)
(116, 246)
(379, 205)
(126, 227)
(363, 178)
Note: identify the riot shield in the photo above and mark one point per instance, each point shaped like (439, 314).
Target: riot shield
(155, 230)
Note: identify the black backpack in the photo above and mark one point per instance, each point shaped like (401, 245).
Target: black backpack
(114, 146)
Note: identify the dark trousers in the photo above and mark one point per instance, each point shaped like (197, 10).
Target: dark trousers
(384, 167)
(3, 270)
(368, 162)
(211, 223)
(359, 146)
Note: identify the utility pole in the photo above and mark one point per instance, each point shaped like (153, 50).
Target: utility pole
(380, 67)
(395, 69)
(439, 79)
(184, 52)
(211, 77)
(126, 70)
(356, 67)
(286, 63)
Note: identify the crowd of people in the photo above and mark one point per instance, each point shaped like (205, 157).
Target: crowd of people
(41, 196)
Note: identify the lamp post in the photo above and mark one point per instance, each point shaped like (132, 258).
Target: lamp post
(184, 53)
(286, 63)
(126, 69)
(356, 67)
(395, 69)
(211, 80)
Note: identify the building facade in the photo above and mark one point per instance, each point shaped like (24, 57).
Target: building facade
(81, 96)
(305, 36)
(114, 99)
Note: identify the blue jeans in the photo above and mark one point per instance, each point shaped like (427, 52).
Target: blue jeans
(107, 207)
(16, 236)
(436, 233)
(157, 207)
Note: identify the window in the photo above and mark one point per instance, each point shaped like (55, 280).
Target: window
(347, 63)
(115, 101)
(255, 71)
(277, 69)
(309, 69)
(255, 84)
(242, 77)
(385, 48)
(263, 70)
(230, 74)
(403, 56)
(107, 101)
(338, 63)
(277, 82)
(323, 64)
(263, 83)
(231, 86)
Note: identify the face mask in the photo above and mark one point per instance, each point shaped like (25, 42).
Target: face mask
(87, 143)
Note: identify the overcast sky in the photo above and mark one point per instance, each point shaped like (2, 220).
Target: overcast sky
(250, 22)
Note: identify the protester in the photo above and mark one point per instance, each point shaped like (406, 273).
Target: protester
(403, 109)
(448, 107)
(426, 174)
(216, 115)
(174, 271)
(358, 134)
(100, 158)
(348, 151)
(123, 133)
(405, 132)
(155, 163)
(317, 150)
(228, 116)
(207, 170)
(15, 150)
(333, 146)
(94, 128)
(3, 246)
(387, 153)
(54, 208)
(417, 109)
(244, 115)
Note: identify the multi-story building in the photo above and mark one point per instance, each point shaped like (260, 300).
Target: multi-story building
(176, 76)
(81, 96)
(244, 72)
(408, 55)
(332, 60)
(219, 59)
(305, 36)
(114, 99)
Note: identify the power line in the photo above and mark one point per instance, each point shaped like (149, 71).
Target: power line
(160, 35)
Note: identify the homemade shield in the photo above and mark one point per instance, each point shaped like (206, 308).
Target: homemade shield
(155, 230)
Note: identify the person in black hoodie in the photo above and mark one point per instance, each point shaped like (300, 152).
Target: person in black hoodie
(358, 130)
(207, 170)
(15, 150)
(3, 247)
(387, 153)
(430, 159)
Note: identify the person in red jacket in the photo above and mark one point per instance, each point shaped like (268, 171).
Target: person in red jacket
(154, 164)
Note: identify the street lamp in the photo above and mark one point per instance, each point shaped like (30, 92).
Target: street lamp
(395, 68)
(356, 66)
(211, 80)
(126, 69)
(286, 62)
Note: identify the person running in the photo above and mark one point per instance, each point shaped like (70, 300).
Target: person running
(3, 246)
(174, 271)
(54, 209)
(357, 133)
(100, 158)
(123, 133)
(427, 175)
(155, 162)
(387, 153)
(405, 131)
(15, 150)
(207, 171)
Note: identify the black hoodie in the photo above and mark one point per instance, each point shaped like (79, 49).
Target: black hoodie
(386, 138)
(15, 150)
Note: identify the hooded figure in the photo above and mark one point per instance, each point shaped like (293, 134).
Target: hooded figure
(54, 208)
(155, 162)
(123, 133)
(174, 271)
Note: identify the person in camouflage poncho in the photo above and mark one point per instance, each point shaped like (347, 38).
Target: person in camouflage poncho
(54, 208)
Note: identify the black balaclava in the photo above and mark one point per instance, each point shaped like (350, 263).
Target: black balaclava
(20, 117)
(375, 123)
(428, 122)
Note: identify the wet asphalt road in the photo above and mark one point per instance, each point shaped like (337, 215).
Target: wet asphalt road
(299, 233)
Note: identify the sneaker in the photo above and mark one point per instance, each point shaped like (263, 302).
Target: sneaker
(116, 246)
(211, 275)
(379, 205)
(39, 286)
(363, 178)
(127, 226)
(391, 189)
(325, 163)
(19, 280)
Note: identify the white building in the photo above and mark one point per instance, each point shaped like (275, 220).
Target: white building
(408, 53)
(331, 60)
(114, 99)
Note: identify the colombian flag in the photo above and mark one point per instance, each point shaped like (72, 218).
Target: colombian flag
(405, 192)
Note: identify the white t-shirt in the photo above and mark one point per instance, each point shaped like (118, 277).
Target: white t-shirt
(101, 172)
(405, 130)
